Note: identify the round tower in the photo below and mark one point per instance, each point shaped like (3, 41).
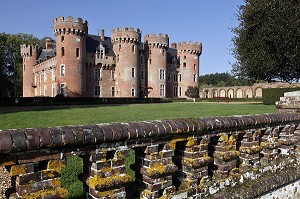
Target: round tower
(71, 55)
(156, 49)
(188, 54)
(29, 54)
(126, 47)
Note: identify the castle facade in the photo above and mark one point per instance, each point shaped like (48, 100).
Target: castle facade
(83, 65)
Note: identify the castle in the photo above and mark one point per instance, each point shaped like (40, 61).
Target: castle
(83, 65)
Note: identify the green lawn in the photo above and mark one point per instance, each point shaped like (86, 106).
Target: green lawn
(119, 113)
(125, 113)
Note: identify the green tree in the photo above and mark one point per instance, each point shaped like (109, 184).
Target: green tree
(221, 79)
(11, 62)
(192, 91)
(267, 40)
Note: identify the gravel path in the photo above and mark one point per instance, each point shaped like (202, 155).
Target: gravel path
(4, 181)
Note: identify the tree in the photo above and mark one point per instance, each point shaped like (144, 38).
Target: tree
(267, 40)
(221, 79)
(192, 91)
(11, 62)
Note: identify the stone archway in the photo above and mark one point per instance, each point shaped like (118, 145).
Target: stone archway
(239, 93)
(230, 93)
(206, 94)
(249, 93)
(214, 93)
(258, 93)
(222, 93)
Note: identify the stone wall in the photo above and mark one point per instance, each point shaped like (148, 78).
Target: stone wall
(217, 157)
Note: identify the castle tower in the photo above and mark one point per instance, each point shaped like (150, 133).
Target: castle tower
(189, 65)
(156, 49)
(29, 54)
(126, 47)
(71, 55)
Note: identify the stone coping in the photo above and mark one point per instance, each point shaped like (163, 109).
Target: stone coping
(21, 140)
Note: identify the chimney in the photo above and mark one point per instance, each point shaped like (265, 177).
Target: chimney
(102, 34)
(173, 45)
(49, 44)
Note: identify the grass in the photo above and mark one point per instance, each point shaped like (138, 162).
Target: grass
(124, 113)
(118, 113)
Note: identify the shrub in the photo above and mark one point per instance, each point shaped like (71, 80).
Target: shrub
(271, 95)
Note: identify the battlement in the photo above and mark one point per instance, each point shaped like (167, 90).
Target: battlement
(70, 26)
(28, 50)
(126, 35)
(191, 47)
(159, 40)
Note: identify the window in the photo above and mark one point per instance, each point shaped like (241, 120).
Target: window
(77, 52)
(45, 90)
(175, 77)
(101, 54)
(133, 48)
(120, 47)
(63, 89)
(184, 57)
(62, 51)
(195, 68)
(149, 61)
(45, 77)
(53, 90)
(132, 72)
(149, 52)
(195, 77)
(180, 91)
(52, 75)
(161, 74)
(175, 91)
(98, 73)
(113, 74)
(62, 70)
(163, 52)
(142, 59)
(142, 74)
(162, 90)
(118, 58)
(62, 38)
(113, 91)
(184, 64)
(97, 91)
(179, 77)
(24, 67)
(132, 92)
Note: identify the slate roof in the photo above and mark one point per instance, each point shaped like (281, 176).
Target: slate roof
(46, 54)
(93, 42)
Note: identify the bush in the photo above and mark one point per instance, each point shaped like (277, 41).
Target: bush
(271, 95)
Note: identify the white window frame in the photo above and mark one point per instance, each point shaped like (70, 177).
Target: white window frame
(98, 90)
(162, 92)
(62, 70)
(162, 74)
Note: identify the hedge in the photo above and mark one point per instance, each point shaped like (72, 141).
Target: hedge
(271, 95)
(48, 101)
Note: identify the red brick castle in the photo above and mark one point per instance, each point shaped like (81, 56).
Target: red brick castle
(83, 65)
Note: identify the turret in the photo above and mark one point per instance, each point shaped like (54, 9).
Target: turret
(126, 47)
(156, 50)
(189, 54)
(71, 55)
(29, 54)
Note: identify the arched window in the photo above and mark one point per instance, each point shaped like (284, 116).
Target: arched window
(62, 51)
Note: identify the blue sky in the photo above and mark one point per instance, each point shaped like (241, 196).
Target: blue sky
(206, 21)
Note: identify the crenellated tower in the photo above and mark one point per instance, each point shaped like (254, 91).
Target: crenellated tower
(188, 54)
(126, 44)
(156, 47)
(29, 54)
(71, 55)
